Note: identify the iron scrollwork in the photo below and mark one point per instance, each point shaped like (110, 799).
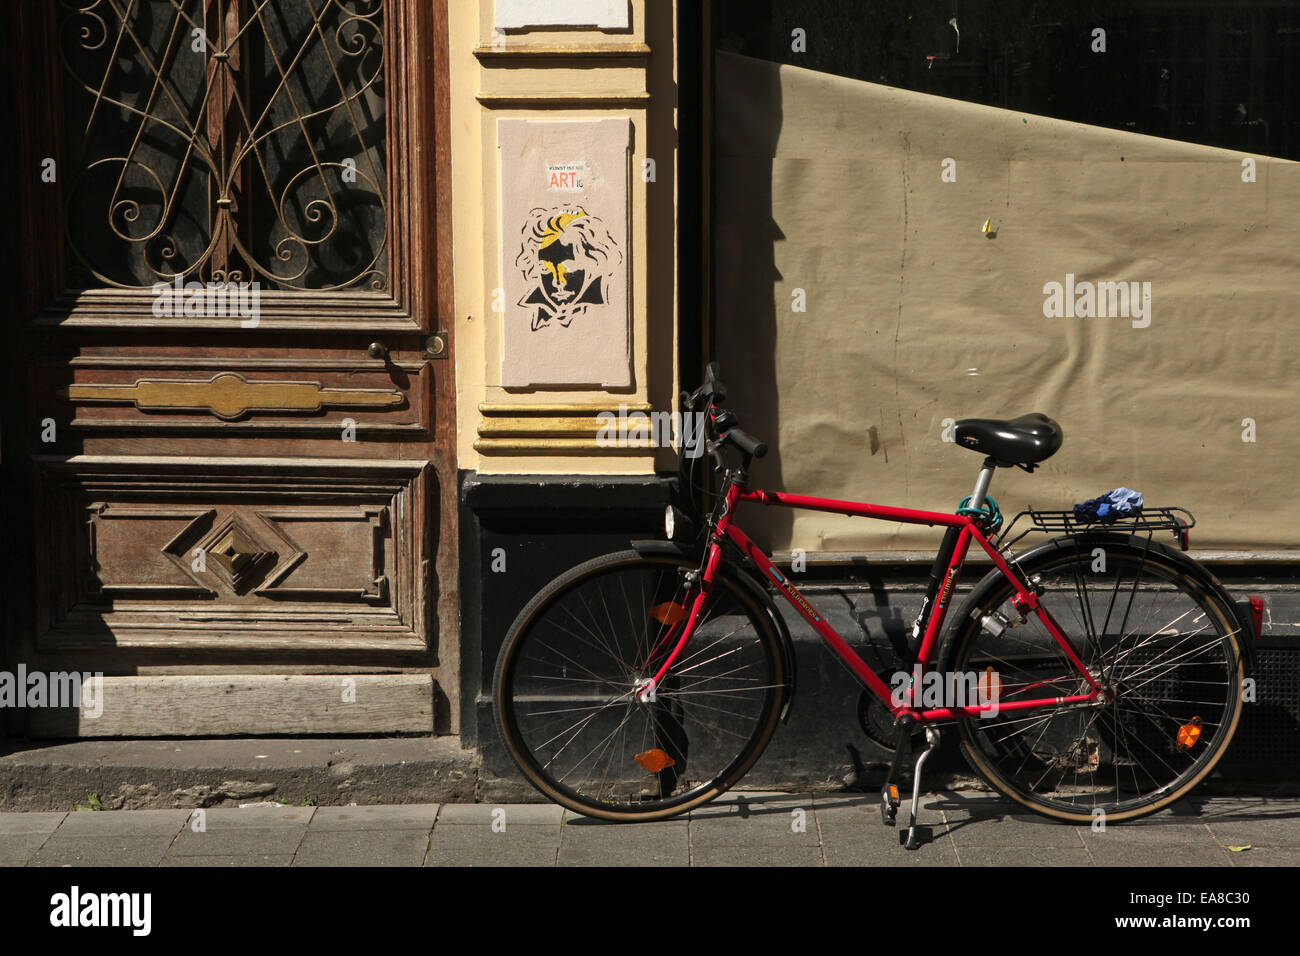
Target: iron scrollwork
(226, 141)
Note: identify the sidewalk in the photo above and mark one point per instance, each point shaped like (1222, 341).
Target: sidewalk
(740, 829)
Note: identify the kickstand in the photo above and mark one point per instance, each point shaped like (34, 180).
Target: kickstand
(914, 836)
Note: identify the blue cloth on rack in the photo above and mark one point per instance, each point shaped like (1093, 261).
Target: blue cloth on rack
(1125, 501)
(1110, 507)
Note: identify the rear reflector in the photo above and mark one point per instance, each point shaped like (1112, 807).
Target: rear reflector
(1188, 734)
(1257, 614)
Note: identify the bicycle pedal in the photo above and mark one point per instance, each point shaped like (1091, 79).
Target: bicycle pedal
(915, 836)
(889, 804)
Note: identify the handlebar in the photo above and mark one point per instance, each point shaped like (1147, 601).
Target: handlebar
(724, 423)
(712, 388)
(720, 428)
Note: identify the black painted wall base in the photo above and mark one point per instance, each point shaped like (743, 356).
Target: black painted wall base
(534, 528)
(517, 532)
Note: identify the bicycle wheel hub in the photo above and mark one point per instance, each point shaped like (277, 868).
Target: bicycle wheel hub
(644, 690)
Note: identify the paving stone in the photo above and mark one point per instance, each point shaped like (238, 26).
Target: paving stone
(1021, 830)
(1266, 856)
(744, 828)
(846, 807)
(616, 855)
(363, 848)
(753, 803)
(1137, 833)
(247, 859)
(484, 838)
(503, 856)
(519, 814)
(1241, 808)
(234, 841)
(589, 832)
(1022, 856)
(256, 817)
(1261, 821)
(104, 823)
(102, 851)
(776, 832)
(970, 803)
(584, 843)
(17, 848)
(867, 814)
(756, 856)
(23, 823)
(1123, 852)
(755, 819)
(1256, 831)
(848, 844)
(400, 817)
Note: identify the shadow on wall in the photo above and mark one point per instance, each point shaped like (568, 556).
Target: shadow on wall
(745, 276)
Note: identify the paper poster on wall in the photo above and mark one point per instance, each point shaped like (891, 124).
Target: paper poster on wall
(564, 253)
(924, 317)
(602, 14)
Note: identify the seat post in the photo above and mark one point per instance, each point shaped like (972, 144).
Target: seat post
(982, 483)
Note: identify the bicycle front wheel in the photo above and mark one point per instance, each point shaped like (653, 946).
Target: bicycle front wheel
(1152, 630)
(570, 673)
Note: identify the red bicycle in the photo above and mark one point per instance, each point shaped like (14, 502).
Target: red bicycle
(1104, 669)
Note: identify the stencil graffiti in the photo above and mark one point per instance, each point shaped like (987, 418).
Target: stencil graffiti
(568, 259)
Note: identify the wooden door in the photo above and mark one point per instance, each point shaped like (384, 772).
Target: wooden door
(229, 427)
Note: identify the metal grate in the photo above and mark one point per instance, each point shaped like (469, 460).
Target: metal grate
(1268, 741)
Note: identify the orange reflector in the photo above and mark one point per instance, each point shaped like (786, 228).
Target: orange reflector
(893, 791)
(654, 760)
(990, 685)
(668, 613)
(1188, 734)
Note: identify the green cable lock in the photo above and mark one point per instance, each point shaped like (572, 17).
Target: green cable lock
(989, 516)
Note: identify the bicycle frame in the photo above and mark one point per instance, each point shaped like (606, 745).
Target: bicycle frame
(1025, 599)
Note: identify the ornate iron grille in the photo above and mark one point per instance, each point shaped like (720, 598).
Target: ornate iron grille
(225, 141)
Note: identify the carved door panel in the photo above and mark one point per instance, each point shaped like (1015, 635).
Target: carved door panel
(229, 437)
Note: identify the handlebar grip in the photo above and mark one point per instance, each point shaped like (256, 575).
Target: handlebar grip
(747, 442)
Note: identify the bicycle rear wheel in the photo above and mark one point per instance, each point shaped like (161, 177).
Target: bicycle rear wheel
(1153, 630)
(568, 675)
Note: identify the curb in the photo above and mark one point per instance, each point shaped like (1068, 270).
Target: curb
(190, 773)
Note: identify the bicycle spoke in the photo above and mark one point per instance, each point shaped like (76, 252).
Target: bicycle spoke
(604, 632)
(1159, 647)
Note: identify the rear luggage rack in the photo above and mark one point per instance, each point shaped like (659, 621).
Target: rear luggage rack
(1177, 521)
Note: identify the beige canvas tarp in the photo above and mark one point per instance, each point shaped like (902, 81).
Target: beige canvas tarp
(831, 190)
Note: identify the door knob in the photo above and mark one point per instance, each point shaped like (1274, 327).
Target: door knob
(378, 350)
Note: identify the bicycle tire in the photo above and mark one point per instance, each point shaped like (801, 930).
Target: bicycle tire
(745, 672)
(1197, 678)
